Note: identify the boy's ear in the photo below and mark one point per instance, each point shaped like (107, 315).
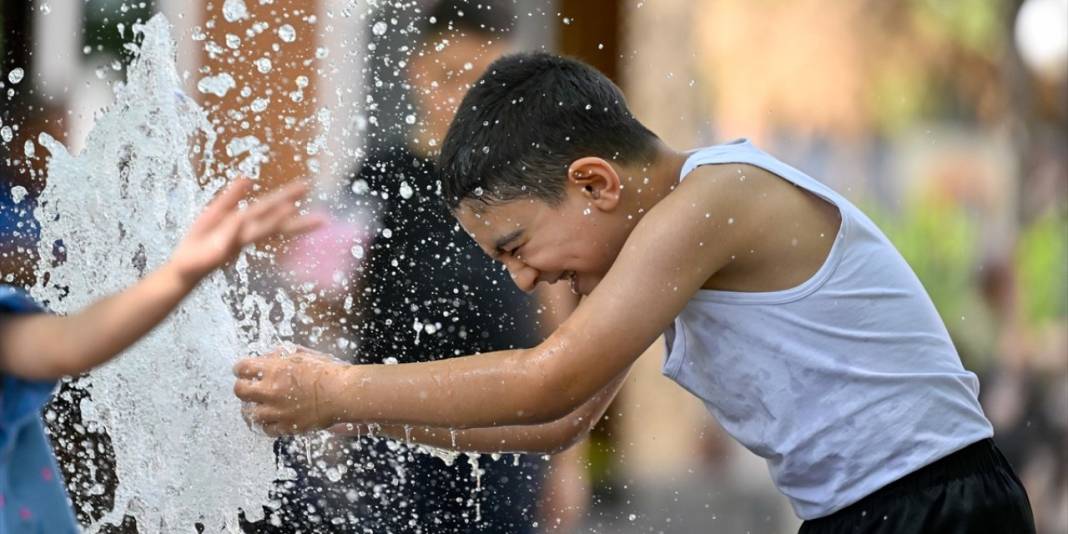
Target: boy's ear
(597, 181)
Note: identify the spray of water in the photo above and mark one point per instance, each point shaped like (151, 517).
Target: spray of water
(109, 215)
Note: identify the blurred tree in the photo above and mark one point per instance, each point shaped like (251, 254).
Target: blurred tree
(1041, 264)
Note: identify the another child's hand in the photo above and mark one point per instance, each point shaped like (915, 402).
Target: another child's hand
(291, 393)
(222, 229)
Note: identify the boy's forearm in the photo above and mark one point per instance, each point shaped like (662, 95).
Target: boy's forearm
(520, 394)
(554, 437)
(49, 347)
(518, 439)
(523, 388)
(112, 324)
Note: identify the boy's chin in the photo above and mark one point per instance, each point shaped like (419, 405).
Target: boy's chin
(584, 284)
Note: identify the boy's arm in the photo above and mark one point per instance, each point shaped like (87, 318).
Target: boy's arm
(549, 438)
(556, 302)
(671, 253)
(48, 347)
(42, 346)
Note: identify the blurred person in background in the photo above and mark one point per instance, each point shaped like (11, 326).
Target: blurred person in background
(1026, 401)
(425, 290)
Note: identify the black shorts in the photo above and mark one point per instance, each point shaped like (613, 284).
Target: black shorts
(973, 490)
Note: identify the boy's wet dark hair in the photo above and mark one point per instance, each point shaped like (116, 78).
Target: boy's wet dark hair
(526, 120)
(480, 18)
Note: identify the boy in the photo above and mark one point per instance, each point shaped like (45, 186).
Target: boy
(37, 349)
(457, 41)
(785, 310)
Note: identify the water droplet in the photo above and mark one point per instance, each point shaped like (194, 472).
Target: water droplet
(6, 134)
(233, 41)
(406, 191)
(358, 252)
(287, 33)
(333, 474)
(263, 65)
(18, 193)
(240, 145)
(387, 233)
(217, 85)
(409, 119)
(360, 187)
(16, 74)
(259, 105)
(730, 220)
(379, 28)
(234, 10)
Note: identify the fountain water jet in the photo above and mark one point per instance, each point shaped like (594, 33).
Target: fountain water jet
(109, 215)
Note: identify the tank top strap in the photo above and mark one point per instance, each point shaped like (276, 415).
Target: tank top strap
(743, 151)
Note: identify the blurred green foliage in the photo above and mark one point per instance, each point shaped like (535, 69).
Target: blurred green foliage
(938, 60)
(971, 24)
(938, 239)
(1042, 268)
(942, 243)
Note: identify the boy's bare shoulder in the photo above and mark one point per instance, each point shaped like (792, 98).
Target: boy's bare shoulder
(722, 209)
(776, 233)
(731, 193)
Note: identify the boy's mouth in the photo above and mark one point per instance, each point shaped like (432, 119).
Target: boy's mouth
(572, 281)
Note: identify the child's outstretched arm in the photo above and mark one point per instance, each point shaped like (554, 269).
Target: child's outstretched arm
(670, 254)
(48, 347)
(549, 438)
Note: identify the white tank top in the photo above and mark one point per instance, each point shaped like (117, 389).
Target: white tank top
(844, 383)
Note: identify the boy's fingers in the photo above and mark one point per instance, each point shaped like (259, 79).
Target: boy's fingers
(267, 224)
(249, 368)
(225, 201)
(259, 414)
(284, 196)
(254, 367)
(302, 224)
(250, 391)
(272, 214)
(274, 430)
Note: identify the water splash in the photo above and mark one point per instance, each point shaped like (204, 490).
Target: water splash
(115, 211)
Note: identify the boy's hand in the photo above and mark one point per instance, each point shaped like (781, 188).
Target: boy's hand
(291, 393)
(222, 229)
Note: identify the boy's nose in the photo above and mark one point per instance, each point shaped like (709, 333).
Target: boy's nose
(525, 277)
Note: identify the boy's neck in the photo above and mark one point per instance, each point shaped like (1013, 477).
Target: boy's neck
(662, 174)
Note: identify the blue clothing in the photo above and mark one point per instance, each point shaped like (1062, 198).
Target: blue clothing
(844, 383)
(32, 497)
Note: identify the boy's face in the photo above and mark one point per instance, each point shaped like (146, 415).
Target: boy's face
(574, 242)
